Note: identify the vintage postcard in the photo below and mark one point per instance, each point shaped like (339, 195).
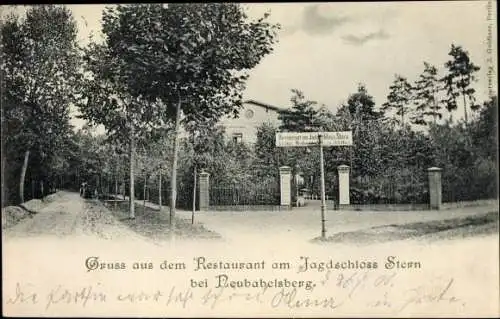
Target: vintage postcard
(250, 160)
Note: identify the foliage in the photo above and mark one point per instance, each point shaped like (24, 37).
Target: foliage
(190, 58)
(43, 46)
(39, 60)
(105, 100)
(161, 62)
(460, 75)
(267, 155)
(427, 88)
(189, 53)
(301, 116)
(360, 106)
(485, 130)
(468, 160)
(399, 98)
(207, 142)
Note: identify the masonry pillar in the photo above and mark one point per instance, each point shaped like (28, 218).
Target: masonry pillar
(343, 185)
(204, 191)
(286, 186)
(434, 174)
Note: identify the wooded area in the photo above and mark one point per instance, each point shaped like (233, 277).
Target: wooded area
(160, 68)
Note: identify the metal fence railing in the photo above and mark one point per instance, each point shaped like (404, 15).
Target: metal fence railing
(468, 184)
(249, 194)
(402, 188)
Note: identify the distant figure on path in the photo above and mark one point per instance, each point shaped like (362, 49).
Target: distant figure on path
(83, 186)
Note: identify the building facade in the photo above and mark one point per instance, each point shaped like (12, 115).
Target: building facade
(253, 114)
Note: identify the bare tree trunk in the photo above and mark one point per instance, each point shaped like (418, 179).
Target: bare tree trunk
(194, 196)
(4, 160)
(23, 175)
(144, 193)
(173, 179)
(435, 114)
(132, 164)
(159, 190)
(116, 190)
(465, 110)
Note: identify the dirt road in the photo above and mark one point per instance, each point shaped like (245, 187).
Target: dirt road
(305, 223)
(67, 215)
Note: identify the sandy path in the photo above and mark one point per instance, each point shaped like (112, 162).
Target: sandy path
(305, 223)
(70, 215)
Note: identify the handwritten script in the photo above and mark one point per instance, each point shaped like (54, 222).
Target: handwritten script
(334, 291)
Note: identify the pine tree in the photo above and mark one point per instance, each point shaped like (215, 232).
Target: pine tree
(458, 80)
(302, 115)
(427, 88)
(360, 105)
(399, 98)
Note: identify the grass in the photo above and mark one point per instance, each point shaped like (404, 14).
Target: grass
(154, 224)
(461, 227)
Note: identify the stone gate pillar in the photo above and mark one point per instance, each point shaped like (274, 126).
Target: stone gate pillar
(286, 186)
(343, 185)
(434, 174)
(204, 197)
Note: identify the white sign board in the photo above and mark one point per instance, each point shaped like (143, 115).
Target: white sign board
(291, 139)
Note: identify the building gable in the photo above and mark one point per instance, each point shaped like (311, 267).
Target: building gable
(252, 115)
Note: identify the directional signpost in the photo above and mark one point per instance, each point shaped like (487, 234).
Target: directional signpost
(307, 139)
(291, 139)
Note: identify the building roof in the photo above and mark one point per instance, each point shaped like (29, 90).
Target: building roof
(267, 106)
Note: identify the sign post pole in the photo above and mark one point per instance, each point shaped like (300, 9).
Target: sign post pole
(323, 202)
(309, 139)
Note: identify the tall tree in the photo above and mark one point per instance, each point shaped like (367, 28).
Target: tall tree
(160, 151)
(360, 105)
(191, 57)
(399, 98)
(266, 153)
(485, 130)
(39, 62)
(358, 114)
(107, 100)
(301, 117)
(458, 80)
(206, 140)
(427, 88)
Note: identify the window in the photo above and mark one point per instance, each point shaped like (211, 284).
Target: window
(248, 114)
(237, 137)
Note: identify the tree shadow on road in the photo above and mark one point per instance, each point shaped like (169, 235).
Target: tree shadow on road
(155, 224)
(31, 212)
(455, 228)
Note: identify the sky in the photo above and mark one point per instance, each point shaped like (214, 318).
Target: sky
(327, 49)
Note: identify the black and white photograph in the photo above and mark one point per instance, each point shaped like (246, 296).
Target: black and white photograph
(329, 159)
